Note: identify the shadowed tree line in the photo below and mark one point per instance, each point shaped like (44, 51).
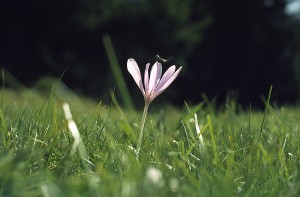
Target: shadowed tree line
(224, 46)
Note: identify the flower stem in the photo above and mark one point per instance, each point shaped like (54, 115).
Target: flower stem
(139, 144)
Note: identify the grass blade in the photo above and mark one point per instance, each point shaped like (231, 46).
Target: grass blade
(115, 67)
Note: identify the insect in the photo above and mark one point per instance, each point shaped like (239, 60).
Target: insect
(162, 60)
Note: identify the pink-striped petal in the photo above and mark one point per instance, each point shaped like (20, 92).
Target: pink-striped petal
(155, 75)
(159, 72)
(167, 75)
(146, 78)
(134, 70)
(166, 83)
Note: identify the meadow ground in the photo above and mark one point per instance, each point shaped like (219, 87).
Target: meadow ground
(238, 152)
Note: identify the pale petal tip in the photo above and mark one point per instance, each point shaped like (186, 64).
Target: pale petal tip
(131, 63)
(130, 60)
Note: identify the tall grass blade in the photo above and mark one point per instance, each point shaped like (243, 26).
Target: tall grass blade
(213, 141)
(115, 67)
(3, 130)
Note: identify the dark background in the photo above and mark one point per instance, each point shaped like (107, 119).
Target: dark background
(228, 47)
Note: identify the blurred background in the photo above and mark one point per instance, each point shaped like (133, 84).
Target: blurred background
(235, 48)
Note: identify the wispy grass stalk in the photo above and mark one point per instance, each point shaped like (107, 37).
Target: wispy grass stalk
(265, 115)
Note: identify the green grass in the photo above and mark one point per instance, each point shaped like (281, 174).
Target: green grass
(246, 152)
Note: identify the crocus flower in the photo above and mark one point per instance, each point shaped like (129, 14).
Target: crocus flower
(152, 87)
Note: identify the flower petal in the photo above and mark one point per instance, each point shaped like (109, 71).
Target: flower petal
(166, 82)
(155, 75)
(134, 70)
(146, 78)
(167, 75)
(158, 74)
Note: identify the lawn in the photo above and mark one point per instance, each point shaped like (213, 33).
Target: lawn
(238, 152)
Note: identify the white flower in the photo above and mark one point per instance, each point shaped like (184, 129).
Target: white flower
(155, 176)
(155, 84)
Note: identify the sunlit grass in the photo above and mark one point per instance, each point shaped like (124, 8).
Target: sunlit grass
(246, 152)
